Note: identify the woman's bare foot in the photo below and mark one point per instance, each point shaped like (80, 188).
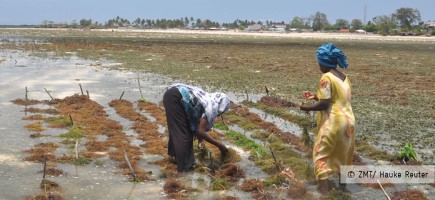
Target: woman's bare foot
(324, 187)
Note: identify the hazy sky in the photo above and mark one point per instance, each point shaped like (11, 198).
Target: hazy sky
(17, 12)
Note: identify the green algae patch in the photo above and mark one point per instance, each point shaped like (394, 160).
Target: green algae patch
(73, 133)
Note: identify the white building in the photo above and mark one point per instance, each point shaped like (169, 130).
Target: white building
(278, 26)
(429, 25)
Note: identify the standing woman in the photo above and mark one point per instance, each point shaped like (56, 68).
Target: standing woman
(335, 139)
(190, 112)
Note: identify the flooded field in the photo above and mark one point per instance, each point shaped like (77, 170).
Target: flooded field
(104, 77)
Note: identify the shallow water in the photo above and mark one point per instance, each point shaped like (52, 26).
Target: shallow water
(61, 77)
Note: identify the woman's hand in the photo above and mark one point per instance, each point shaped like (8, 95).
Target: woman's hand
(203, 135)
(310, 95)
(201, 144)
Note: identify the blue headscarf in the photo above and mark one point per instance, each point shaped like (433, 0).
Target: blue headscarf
(329, 56)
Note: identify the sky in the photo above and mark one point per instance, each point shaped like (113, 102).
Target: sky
(20, 12)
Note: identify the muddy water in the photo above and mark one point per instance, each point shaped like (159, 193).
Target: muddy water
(62, 77)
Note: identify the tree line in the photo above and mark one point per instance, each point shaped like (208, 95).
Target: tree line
(402, 20)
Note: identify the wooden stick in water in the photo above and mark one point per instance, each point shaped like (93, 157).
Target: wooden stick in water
(211, 163)
(388, 197)
(81, 89)
(274, 158)
(26, 94)
(129, 165)
(77, 145)
(45, 166)
(140, 89)
(70, 118)
(48, 93)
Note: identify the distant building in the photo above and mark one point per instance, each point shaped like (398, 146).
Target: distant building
(255, 27)
(343, 31)
(277, 26)
(360, 31)
(429, 25)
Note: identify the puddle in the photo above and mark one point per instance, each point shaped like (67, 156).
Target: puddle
(282, 124)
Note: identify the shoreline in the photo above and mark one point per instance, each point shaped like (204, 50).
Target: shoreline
(302, 35)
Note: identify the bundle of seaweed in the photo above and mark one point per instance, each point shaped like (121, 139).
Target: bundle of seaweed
(231, 171)
(251, 185)
(174, 189)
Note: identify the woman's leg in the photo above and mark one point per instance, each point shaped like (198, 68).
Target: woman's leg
(180, 142)
(324, 186)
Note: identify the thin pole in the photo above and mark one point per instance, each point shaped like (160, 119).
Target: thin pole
(26, 94)
(77, 144)
(274, 158)
(81, 89)
(48, 93)
(70, 118)
(140, 90)
(211, 161)
(129, 165)
(45, 166)
(388, 197)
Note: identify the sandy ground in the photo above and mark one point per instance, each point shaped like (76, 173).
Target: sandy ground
(306, 35)
(312, 35)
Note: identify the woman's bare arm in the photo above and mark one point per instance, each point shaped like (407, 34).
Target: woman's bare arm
(202, 134)
(323, 104)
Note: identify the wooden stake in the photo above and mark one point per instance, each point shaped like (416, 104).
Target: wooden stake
(140, 90)
(388, 197)
(267, 90)
(276, 162)
(247, 95)
(77, 145)
(211, 162)
(87, 93)
(26, 94)
(48, 93)
(45, 166)
(81, 89)
(129, 165)
(121, 95)
(70, 118)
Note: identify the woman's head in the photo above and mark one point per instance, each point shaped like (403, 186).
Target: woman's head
(329, 56)
(223, 102)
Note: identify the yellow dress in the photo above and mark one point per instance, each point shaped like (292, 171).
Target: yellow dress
(335, 140)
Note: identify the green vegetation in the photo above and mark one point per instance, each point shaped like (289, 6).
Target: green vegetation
(302, 121)
(221, 126)
(390, 94)
(73, 133)
(246, 143)
(338, 195)
(143, 100)
(276, 180)
(403, 19)
(82, 161)
(408, 152)
(60, 120)
(219, 184)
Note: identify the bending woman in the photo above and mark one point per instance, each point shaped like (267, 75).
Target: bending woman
(190, 112)
(335, 139)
